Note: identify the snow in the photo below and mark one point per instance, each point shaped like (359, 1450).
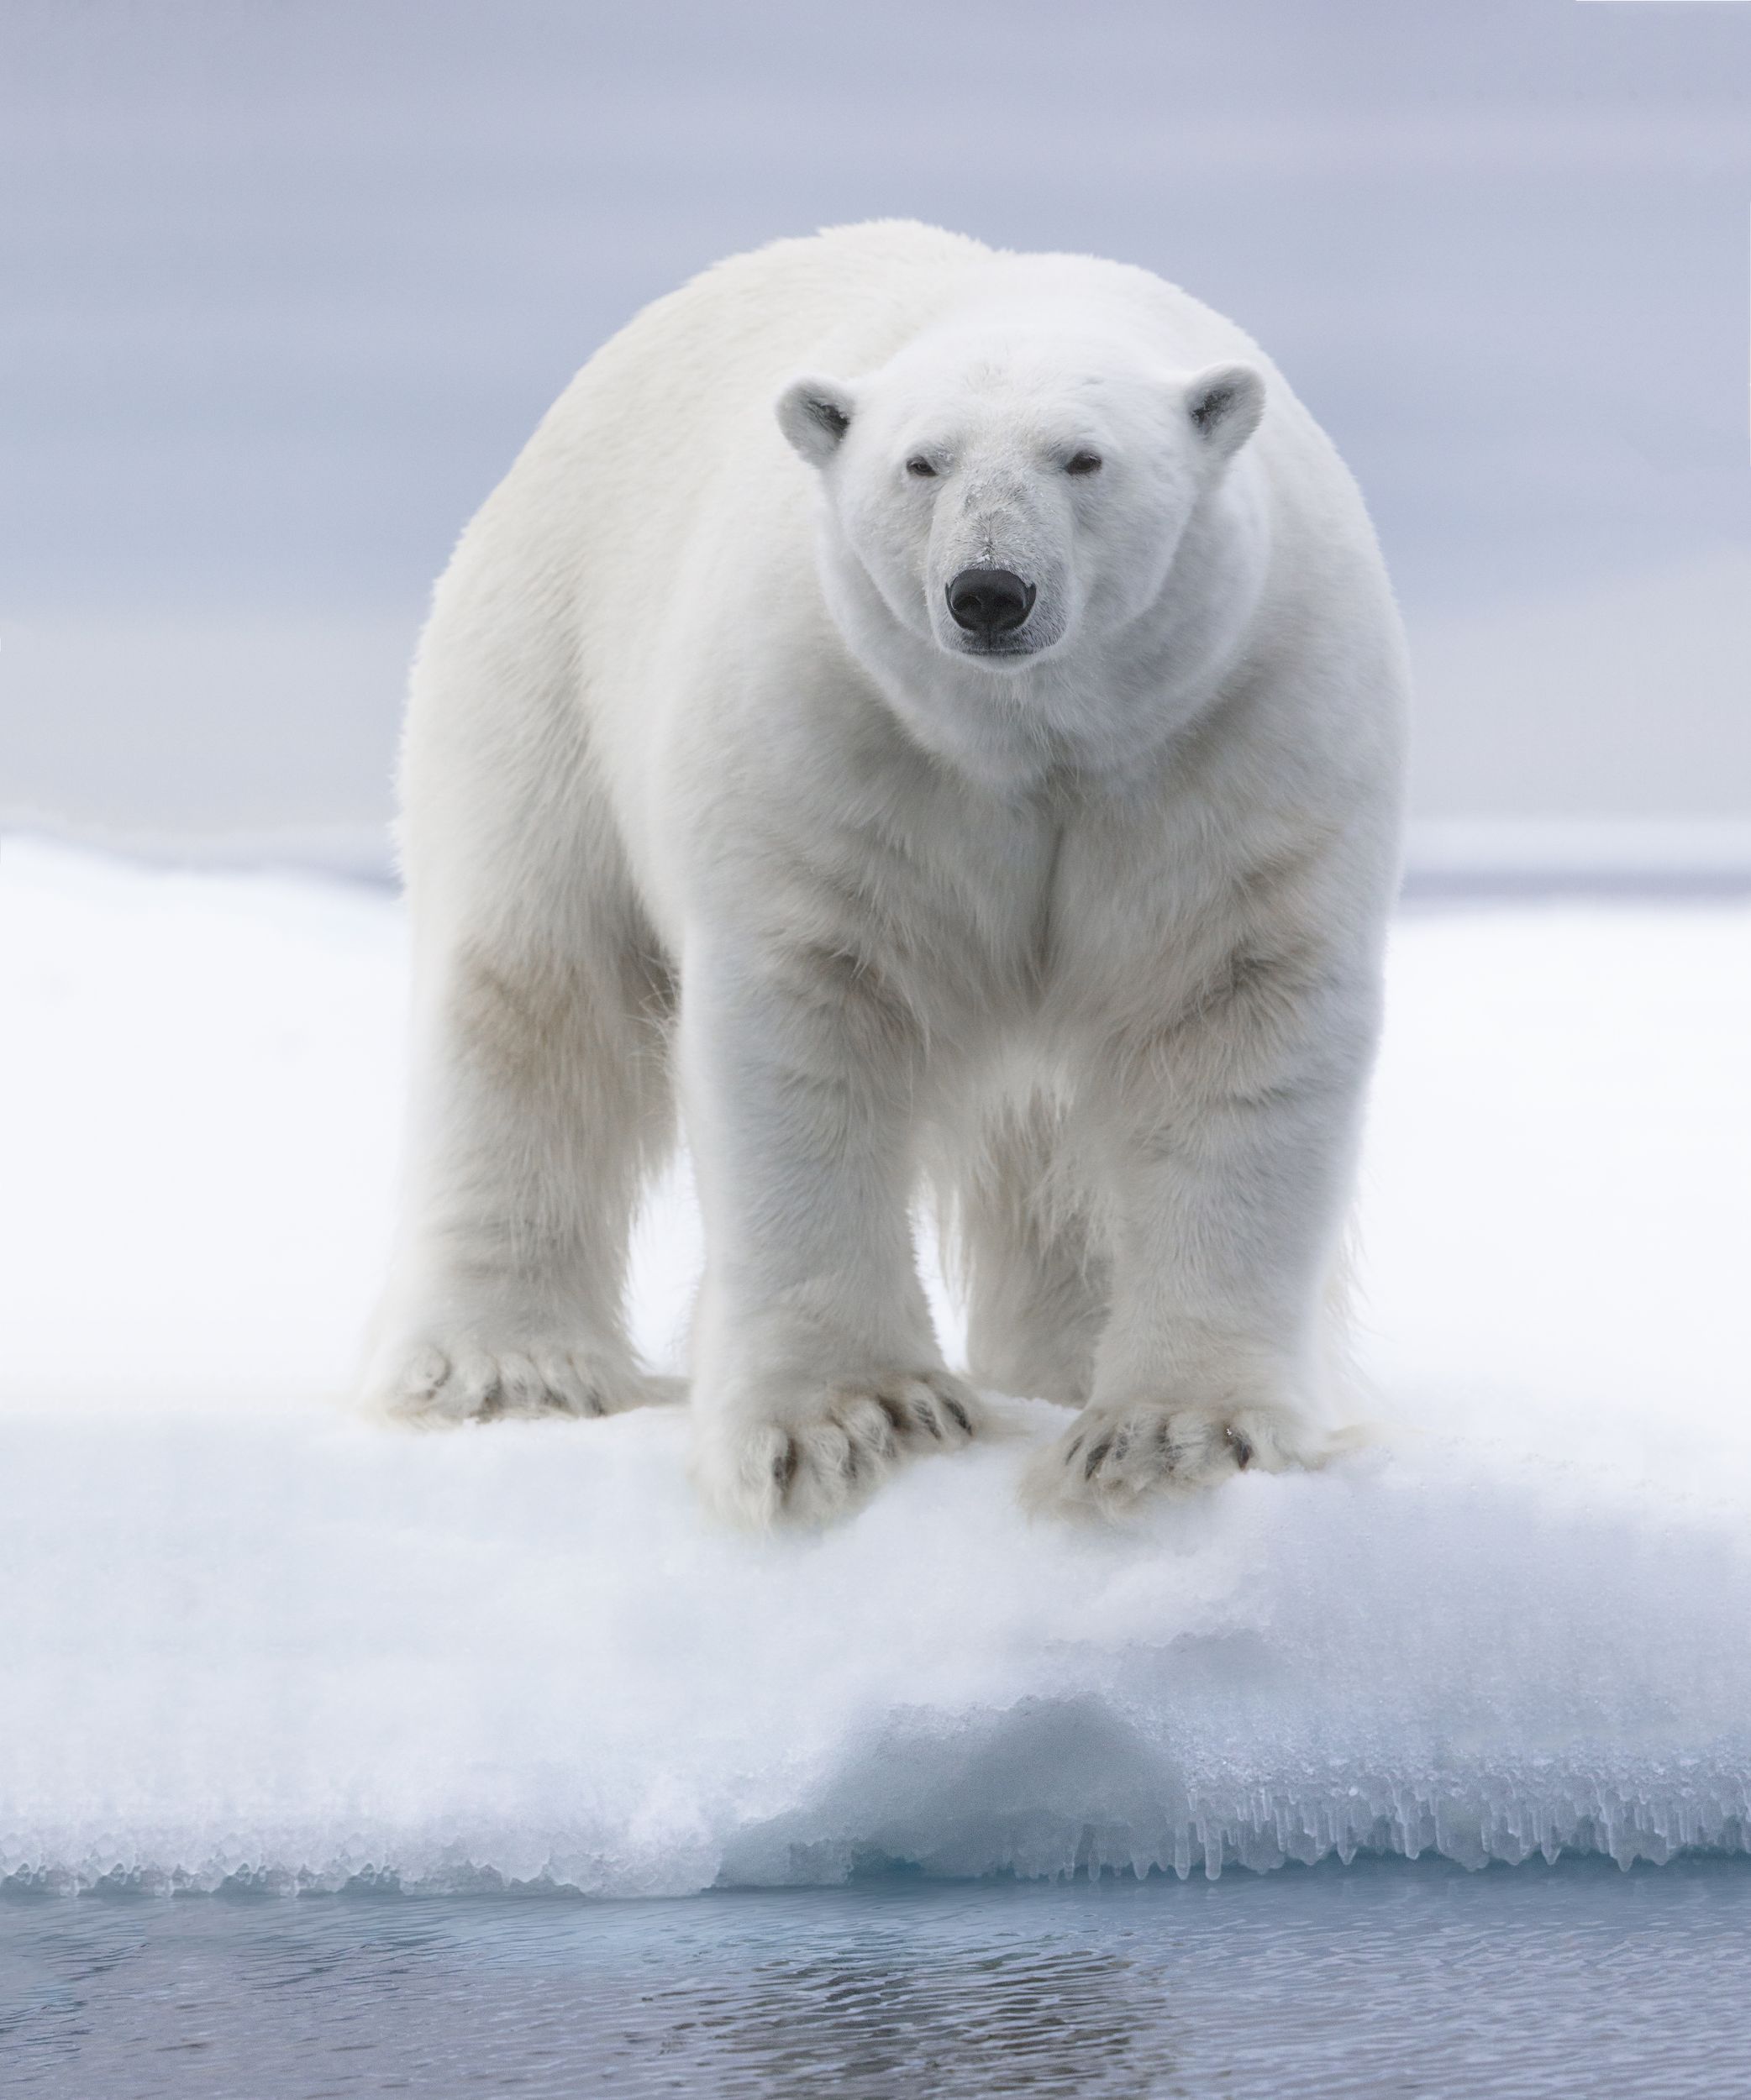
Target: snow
(245, 1637)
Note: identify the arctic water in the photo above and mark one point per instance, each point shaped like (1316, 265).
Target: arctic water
(1420, 1982)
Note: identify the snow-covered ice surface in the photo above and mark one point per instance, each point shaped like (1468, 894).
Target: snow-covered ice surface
(246, 1636)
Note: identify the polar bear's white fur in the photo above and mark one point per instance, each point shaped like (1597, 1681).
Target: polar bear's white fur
(1071, 903)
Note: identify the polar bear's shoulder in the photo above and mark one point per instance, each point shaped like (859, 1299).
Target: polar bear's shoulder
(875, 278)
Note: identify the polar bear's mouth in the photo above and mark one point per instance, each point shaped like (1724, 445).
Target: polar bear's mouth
(1032, 640)
(977, 646)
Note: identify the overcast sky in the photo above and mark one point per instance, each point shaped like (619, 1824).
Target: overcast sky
(288, 281)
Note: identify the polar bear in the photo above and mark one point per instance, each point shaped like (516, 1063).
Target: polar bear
(937, 714)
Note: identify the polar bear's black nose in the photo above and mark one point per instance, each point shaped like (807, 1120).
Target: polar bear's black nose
(989, 600)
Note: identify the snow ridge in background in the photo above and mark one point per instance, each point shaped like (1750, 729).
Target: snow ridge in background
(245, 1638)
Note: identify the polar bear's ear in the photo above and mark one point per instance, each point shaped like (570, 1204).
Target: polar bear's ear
(1225, 402)
(815, 414)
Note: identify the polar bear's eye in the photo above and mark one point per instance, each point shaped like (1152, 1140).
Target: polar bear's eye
(921, 467)
(1083, 463)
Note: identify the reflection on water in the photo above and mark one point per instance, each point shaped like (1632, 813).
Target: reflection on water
(1383, 1979)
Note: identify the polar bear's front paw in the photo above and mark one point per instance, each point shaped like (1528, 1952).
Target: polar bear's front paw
(435, 1383)
(813, 1462)
(1111, 1458)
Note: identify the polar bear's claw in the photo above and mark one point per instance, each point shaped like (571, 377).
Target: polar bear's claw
(813, 1469)
(1110, 1460)
(436, 1384)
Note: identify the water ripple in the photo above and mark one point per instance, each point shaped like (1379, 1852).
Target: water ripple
(1419, 1983)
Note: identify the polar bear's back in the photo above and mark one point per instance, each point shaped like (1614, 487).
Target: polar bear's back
(872, 286)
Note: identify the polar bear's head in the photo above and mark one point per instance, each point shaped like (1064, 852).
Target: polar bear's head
(1007, 493)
